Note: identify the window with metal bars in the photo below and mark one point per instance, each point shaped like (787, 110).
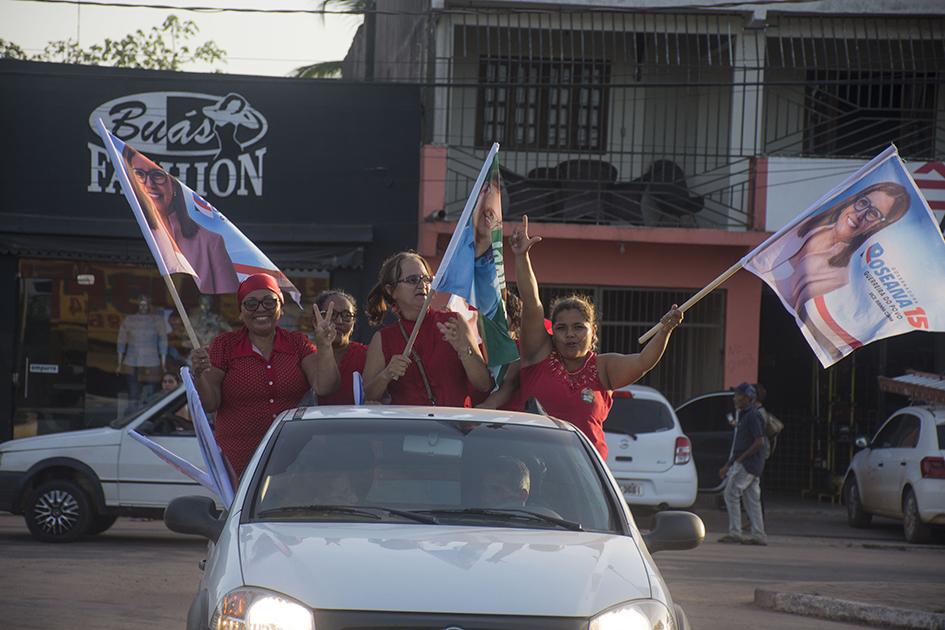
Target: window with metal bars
(693, 363)
(543, 104)
(858, 114)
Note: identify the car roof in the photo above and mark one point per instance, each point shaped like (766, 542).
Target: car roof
(425, 413)
(643, 391)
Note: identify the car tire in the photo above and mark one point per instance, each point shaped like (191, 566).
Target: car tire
(913, 528)
(857, 516)
(102, 522)
(58, 511)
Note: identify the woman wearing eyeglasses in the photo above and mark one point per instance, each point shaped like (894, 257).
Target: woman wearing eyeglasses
(813, 260)
(162, 201)
(349, 355)
(251, 375)
(445, 368)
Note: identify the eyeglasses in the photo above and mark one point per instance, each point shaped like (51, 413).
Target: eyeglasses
(415, 279)
(864, 206)
(252, 304)
(345, 316)
(156, 175)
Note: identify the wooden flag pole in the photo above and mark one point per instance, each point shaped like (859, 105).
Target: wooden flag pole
(698, 296)
(416, 325)
(180, 311)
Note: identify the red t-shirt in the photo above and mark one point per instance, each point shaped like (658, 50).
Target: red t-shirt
(254, 390)
(441, 363)
(578, 397)
(351, 362)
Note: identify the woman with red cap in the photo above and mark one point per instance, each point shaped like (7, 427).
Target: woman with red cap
(561, 369)
(445, 367)
(251, 375)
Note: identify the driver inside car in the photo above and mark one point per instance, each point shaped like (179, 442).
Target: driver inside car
(504, 483)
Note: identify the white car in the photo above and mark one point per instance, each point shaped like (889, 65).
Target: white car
(647, 450)
(422, 517)
(75, 483)
(900, 473)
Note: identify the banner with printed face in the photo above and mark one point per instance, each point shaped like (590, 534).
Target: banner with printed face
(864, 262)
(473, 267)
(184, 232)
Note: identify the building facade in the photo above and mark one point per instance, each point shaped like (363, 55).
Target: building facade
(321, 175)
(652, 147)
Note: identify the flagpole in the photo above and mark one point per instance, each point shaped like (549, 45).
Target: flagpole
(416, 324)
(694, 299)
(146, 231)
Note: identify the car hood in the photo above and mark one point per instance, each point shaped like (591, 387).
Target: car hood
(103, 436)
(440, 568)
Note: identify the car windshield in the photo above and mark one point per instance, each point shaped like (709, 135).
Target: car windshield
(432, 471)
(637, 415)
(129, 416)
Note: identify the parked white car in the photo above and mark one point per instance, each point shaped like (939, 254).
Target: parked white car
(648, 453)
(420, 517)
(900, 473)
(75, 483)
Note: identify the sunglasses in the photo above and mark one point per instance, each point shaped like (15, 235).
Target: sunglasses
(156, 175)
(252, 304)
(345, 316)
(415, 279)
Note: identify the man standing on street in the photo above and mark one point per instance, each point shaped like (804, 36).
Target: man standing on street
(743, 470)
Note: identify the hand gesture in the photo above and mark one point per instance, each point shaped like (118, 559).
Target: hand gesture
(520, 242)
(324, 330)
(397, 367)
(457, 333)
(199, 362)
(671, 319)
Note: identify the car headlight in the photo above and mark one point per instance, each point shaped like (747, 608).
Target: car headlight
(646, 614)
(258, 609)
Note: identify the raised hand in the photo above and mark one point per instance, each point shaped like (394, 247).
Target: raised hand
(457, 333)
(397, 367)
(324, 329)
(672, 318)
(520, 242)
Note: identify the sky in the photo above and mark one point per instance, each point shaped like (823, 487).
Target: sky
(255, 43)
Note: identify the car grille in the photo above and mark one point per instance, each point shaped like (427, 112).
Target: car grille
(380, 620)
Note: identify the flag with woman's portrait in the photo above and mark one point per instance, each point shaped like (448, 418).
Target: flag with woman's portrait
(865, 262)
(473, 266)
(184, 232)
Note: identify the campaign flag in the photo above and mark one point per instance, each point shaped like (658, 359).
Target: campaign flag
(178, 463)
(473, 266)
(212, 457)
(865, 262)
(184, 232)
(357, 383)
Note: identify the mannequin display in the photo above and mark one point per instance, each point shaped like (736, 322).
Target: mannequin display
(142, 347)
(206, 322)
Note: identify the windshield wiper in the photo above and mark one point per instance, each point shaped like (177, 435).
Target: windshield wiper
(519, 513)
(360, 510)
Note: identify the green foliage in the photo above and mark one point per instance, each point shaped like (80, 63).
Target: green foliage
(320, 70)
(164, 47)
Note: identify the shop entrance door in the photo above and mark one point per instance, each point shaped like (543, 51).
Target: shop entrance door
(53, 340)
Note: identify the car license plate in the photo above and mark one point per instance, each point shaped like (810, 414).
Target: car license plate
(632, 489)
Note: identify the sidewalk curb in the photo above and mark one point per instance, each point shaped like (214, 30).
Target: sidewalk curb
(846, 610)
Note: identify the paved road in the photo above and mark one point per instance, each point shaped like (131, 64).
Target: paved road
(140, 575)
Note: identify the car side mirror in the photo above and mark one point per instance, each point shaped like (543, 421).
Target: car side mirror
(675, 531)
(194, 515)
(861, 442)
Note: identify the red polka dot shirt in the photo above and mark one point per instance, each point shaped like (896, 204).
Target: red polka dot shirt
(255, 390)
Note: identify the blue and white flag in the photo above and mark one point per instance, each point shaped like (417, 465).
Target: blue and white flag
(864, 262)
(212, 456)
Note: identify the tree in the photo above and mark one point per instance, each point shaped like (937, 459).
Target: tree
(332, 69)
(136, 50)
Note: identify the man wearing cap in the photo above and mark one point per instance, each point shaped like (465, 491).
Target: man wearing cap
(743, 470)
(251, 375)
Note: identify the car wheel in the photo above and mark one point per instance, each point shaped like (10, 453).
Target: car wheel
(912, 526)
(856, 515)
(102, 522)
(58, 511)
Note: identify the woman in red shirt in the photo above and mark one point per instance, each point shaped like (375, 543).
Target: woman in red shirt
(251, 375)
(445, 367)
(349, 354)
(562, 370)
